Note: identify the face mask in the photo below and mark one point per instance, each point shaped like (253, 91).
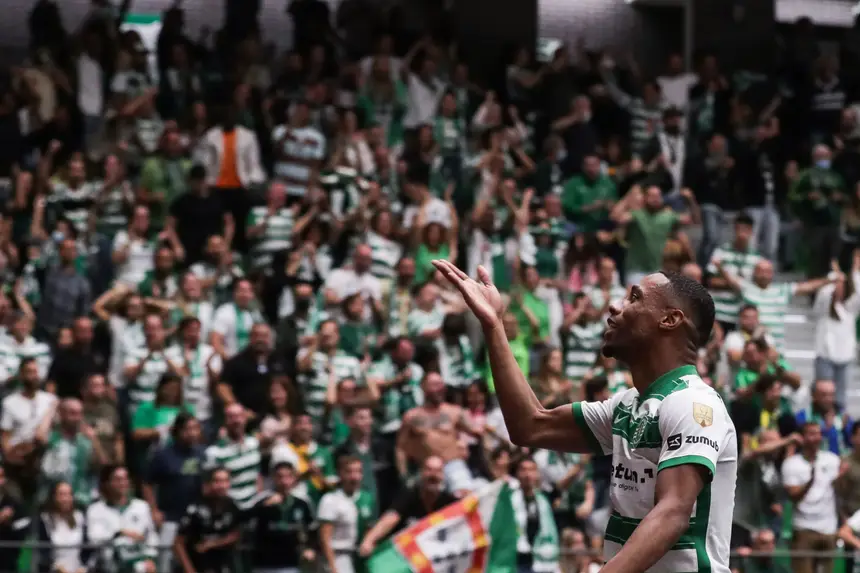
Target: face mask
(586, 117)
(560, 155)
(673, 129)
(303, 304)
(58, 236)
(823, 164)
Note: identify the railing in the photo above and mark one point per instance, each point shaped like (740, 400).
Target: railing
(33, 550)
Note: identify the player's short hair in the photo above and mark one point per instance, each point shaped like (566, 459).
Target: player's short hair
(696, 303)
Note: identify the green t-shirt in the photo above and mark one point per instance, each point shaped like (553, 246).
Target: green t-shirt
(747, 377)
(540, 310)
(580, 192)
(424, 258)
(521, 354)
(646, 236)
(148, 416)
(358, 338)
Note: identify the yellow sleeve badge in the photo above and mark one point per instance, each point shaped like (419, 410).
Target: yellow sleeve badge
(703, 414)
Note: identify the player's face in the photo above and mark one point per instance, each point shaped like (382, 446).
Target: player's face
(635, 320)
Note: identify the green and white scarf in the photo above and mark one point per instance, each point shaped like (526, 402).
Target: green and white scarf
(544, 550)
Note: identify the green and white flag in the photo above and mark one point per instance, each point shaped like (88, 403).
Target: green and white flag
(478, 534)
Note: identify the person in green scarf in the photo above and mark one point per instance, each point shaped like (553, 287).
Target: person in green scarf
(537, 543)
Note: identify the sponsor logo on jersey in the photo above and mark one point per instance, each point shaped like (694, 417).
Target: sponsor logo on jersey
(674, 442)
(703, 440)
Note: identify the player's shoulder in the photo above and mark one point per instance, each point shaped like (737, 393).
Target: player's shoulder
(695, 395)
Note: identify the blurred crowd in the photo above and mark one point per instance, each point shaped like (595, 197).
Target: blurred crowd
(224, 346)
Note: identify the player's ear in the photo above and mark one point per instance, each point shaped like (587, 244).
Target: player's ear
(672, 319)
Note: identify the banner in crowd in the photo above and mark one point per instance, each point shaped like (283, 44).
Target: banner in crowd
(478, 534)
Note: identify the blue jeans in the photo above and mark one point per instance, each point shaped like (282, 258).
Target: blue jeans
(840, 373)
(765, 231)
(714, 222)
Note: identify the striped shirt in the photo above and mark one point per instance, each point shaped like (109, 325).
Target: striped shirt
(242, 460)
(196, 386)
(420, 321)
(12, 353)
(297, 149)
(142, 389)
(581, 345)
(645, 122)
(398, 304)
(276, 237)
(772, 303)
(315, 383)
(457, 362)
(73, 203)
(384, 254)
(727, 303)
(113, 217)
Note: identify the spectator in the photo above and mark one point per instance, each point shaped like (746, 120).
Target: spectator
(836, 308)
(278, 547)
(248, 374)
(537, 545)
(209, 530)
(738, 258)
(100, 414)
(239, 452)
(121, 525)
(827, 413)
(233, 322)
(808, 478)
(72, 453)
(199, 366)
(174, 478)
(649, 225)
(414, 503)
(66, 292)
(63, 529)
(26, 425)
(198, 214)
(344, 516)
(313, 463)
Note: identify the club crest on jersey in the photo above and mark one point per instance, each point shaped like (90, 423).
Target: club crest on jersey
(638, 433)
(703, 414)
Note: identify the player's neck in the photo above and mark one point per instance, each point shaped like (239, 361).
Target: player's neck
(649, 370)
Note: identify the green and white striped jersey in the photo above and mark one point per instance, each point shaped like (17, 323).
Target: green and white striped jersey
(277, 235)
(678, 420)
(384, 254)
(242, 459)
(420, 321)
(581, 345)
(313, 384)
(73, 203)
(772, 303)
(13, 352)
(142, 389)
(114, 208)
(727, 303)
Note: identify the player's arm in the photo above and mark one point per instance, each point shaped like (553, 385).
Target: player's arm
(583, 428)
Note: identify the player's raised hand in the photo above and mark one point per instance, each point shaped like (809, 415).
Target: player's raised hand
(481, 295)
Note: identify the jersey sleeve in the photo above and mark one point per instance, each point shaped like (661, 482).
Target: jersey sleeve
(695, 427)
(594, 419)
(795, 472)
(327, 511)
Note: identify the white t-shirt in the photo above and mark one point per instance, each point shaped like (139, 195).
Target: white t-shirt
(423, 100)
(90, 86)
(139, 262)
(346, 282)
(21, 415)
(679, 420)
(817, 510)
(234, 324)
(676, 89)
(341, 511)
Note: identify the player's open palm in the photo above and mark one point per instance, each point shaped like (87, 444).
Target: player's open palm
(481, 295)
